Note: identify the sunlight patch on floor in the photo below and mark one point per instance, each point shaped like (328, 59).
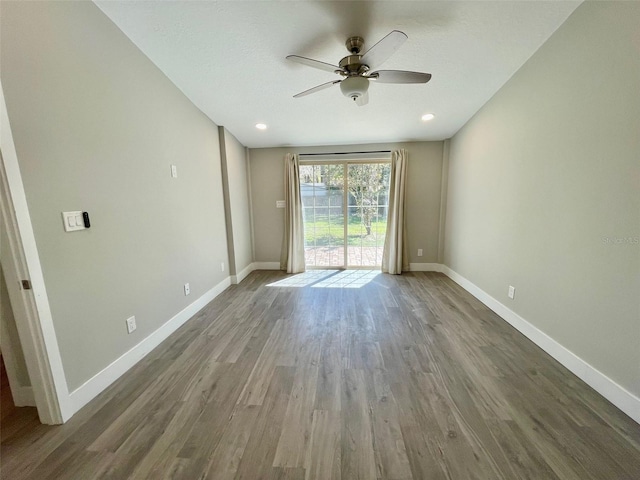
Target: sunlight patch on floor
(328, 279)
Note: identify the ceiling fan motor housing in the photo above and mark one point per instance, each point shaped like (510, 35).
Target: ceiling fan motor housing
(351, 65)
(354, 87)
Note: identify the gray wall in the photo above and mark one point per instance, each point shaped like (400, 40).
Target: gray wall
(235, 168)
(423, 195)
(96, 127)
(543, 190)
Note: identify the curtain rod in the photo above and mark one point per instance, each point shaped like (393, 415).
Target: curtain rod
(343, 153)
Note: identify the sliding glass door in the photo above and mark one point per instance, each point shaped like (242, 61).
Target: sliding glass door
(345, 213)
(322, 192)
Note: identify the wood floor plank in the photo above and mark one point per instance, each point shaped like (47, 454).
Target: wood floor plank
(168, 389)
(204, 437)
(525, 459)
(322, 459)
(390, 451)
(140, 442)
(183, 426)
(263, 442)
(296, 431)
(256, 387)
(424, 463)
(286, 473)
(357, 455)
(223, 463)
(328, 390)
(405, 377)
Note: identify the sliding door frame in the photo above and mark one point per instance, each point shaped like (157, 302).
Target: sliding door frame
(345, 205)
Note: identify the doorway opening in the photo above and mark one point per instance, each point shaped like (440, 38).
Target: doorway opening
(345, 206)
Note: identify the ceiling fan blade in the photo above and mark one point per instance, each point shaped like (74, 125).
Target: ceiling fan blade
(381, 51)
(399, 76)
(314, 63)
(362, 100)
(316, 89)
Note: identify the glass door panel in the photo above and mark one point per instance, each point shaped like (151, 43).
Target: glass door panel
(322, 193)
(368, 187)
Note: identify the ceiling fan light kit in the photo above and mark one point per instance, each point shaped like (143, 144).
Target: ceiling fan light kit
(354, 87)
(356, 68)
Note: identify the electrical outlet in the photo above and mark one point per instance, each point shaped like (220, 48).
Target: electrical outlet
(187, 289)
(131, 324)
(222, 266)
(419, 252)
(512, 292)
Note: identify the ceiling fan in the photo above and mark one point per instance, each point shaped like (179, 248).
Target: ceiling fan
(356, 68)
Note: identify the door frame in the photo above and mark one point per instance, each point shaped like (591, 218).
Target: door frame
(22, 395)
(345, 162)
(30, 306)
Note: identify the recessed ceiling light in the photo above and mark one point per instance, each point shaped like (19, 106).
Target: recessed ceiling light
(261, 126)
(428, 116)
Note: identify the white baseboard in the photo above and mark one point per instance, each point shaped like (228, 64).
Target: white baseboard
(616, 394)
(100, 381)
(235, 279)
(23, 397)
(267, 265)
(425, 267)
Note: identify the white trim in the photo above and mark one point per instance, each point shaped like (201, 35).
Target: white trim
(36, 331)
(266, 265)
(100, 381)
(425, 267)
(616, 394)
(235, 279)
(23, 396)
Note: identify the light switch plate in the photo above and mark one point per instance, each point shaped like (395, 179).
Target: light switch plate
(174, 171)
(512, 291)
(131, 324)
(281, 203)
(72, 221)
(187, 289)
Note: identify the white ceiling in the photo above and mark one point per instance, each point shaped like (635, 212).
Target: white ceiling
(228, 57)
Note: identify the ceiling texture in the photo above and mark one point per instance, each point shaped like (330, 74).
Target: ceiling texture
(228, 57)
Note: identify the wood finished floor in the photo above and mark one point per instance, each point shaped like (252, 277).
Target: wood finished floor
(406, 377)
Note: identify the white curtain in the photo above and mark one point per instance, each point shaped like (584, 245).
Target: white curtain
(292, 259)
(394, 255)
